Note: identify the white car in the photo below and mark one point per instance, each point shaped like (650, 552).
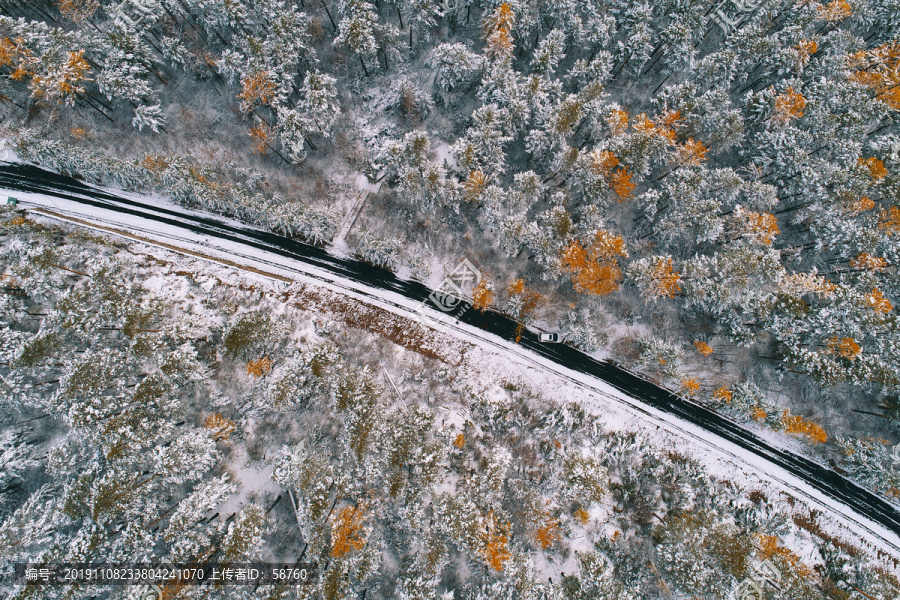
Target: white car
(550, 338)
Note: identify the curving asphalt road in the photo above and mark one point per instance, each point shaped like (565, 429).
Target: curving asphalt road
(26, 178)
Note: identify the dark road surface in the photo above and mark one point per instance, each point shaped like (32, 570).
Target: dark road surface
(31, 179)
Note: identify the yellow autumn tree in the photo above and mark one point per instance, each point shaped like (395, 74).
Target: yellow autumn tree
(703, 348)
(722, 394)
(789, 105)
(14, 54)
(595, 269)
(547, 533)
(878, 303)
(759, 228)
(482, 296)
(879, 70)
(690, 386)
(498, 32)
(868, 262)
(603, 162)
(621, 184)
(617, 121)
(844, 347)
(262, 135)
(692, 153)
(875, 166)
(78, 10)
(836, 10)
(475, 183)
(259, 367)
(527, 302)
(797, 425)
(62, 82)
(890, 221)
(348, 530)
(494, 538)
(656, 277)
(256, 88)
(862, 204)
(220, 427)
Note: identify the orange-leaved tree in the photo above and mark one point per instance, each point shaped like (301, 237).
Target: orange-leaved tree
(789, 105)
(256, 88)
(878, 303)
(797, 425)
(703, 348)
(220, 427)
(879, 70)
(494, 538)
(844, 347)
(595, 269)
(259, 367)
(547, 532)
(655, 277)
(348, 532)
(483, 295)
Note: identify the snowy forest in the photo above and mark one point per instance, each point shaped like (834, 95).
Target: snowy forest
(707, 193)
(157, 408)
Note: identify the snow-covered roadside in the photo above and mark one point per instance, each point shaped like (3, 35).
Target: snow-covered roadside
(722, 457)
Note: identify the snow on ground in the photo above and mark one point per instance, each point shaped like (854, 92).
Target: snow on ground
(492, 358)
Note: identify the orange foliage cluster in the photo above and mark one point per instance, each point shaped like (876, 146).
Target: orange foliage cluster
(758, 414)
(760, 227)
(875, 166)
(256, 87)
(890, 221)
(879, 70)
(15, 54)
(703, 348)
(603, 162)
(516, 286)
(482, 296)
(221, 427)
(789, 105)
(877, 302)
(155, 163)
(868, 262)
(844, 347)
(722, 394)
(497, 27)
(530, 301)
(617, 121)
(595, 270)
(863, 204)
(78, 10)
(665, 280)
(622, 185)
(494, 539)
(460, 441)
(259, 367)
(548, 533)
(692, 153)
(582, 515)
(796, 425)
(807, 48)
(262, 134)
(347, 533)
(769, 548)
(63, 82)
(690, 386)
(835, 10)
(474, 185)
